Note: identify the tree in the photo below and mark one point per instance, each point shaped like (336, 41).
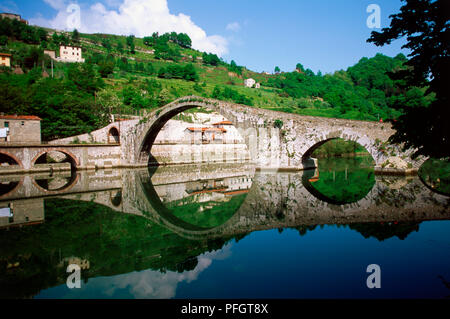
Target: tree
(277, 70)
(75, 36)
(130, 43)
(120, 47)
(425, 25)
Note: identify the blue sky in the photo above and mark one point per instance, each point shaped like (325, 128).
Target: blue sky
(322, 34)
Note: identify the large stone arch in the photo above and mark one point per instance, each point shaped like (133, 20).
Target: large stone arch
(153, 123)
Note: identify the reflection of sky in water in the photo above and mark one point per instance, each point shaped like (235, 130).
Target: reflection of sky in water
(144, 284)
(327, 262)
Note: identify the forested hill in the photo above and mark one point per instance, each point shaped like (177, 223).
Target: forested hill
(128, 74)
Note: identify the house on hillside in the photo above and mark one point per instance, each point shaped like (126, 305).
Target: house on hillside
(251, 83)
(13, 16)
(70, 54)
(5, 59)
(51, 54)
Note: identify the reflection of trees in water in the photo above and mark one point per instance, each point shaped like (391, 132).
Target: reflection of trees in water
(378, 230)
(385, 230)
(112, 243)
(208, 214)
(342, 180)
(435, 174)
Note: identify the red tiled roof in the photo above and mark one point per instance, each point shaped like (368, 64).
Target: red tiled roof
(203, 129)
(223, 123)
(20, 117)
(5, 54)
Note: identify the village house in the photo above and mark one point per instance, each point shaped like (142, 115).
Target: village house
(70, 54)
(13, 16)
(20, 129)
(51, 54)
(251, 83)
(5, 59)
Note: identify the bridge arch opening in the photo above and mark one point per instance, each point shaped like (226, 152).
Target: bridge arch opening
(57, 182)
(116, 198)
(344, 173)
(56, 157)
(9, 160)
(196, 206)
(113, 135)
(193, 136)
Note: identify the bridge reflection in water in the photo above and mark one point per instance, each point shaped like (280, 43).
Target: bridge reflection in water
(165, 219)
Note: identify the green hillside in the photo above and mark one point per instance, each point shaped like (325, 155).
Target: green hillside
(127, 74)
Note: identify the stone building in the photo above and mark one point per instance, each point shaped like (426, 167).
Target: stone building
(51, 54)
(5, 59)
(70, 54)
(23, 212)
(13, 16)
(20, 129)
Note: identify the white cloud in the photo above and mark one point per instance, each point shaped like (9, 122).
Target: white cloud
(233, 26)
(151, 283)
(138, 17)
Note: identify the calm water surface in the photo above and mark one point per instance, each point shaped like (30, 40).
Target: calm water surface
(224, 232)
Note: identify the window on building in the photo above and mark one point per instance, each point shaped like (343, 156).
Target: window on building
(23, 123)
(6, 124)
(3, 57)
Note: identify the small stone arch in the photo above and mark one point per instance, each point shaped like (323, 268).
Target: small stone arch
(74, 162)
(65, 188)
(113, 135)
(11, 159)
(364, 141)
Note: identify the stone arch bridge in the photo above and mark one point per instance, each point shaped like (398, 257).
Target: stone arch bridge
(274, 139)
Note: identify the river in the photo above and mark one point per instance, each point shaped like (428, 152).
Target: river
(224, 231)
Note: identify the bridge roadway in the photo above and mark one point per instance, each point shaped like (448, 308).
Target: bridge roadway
(273, 201)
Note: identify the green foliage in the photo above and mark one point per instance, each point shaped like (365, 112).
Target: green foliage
(21, 31)
(130, 44)
(339, 147)
(278, 123)
(210, 59)
(230, 94)
(175, 71)
(436, 174)
(423, 125)
(344, 180)
(363, 92)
